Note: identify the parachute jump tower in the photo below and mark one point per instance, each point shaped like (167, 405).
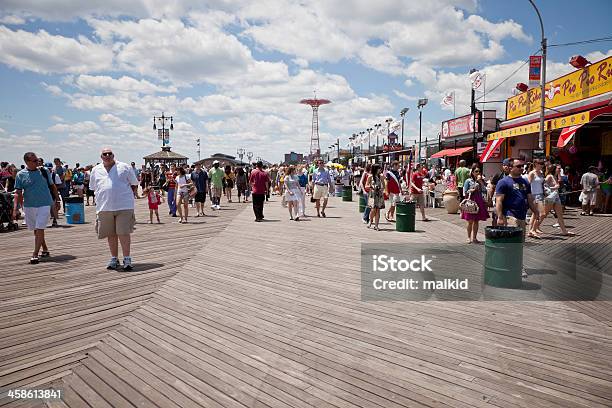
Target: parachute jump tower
(315, 149)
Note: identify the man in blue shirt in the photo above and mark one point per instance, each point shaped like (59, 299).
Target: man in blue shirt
(37, 189)
(322, 184)
(513, 198)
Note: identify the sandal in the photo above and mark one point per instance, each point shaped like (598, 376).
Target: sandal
(34, 260)
(568, 234)
(45, 254)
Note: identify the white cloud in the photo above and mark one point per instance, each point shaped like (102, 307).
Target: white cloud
(45, 53)
(78, 127)
(171, 50)
(12, 19)
(90, 83)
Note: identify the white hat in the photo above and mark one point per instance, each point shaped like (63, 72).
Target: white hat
(216, 162)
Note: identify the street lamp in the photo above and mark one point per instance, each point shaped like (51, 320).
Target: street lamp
(388, 122)
(198, 144)
(402, 114)
(369, 130)
(249, 156)
(421, 104)
(377, 126)
(240, 152)
(162, 121)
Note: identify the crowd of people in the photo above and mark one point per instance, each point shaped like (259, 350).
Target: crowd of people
(38, 191)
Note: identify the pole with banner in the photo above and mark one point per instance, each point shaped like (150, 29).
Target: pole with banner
(535, 69)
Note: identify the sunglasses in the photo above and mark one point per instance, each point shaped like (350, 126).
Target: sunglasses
(107, 154)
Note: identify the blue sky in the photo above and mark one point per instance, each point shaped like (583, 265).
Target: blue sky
(77, 76)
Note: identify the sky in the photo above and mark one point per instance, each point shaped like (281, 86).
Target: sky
(77, 76)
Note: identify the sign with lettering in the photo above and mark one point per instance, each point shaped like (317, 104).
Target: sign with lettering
(592, 80)
(459, 126)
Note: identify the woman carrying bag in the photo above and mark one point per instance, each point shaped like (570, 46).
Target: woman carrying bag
(473, 207)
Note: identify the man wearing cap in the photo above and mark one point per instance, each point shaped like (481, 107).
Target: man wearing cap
(216, 182)
(114, 184)
(36, 188)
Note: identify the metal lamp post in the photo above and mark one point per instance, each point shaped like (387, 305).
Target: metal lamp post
(402, 114)
(377, 126)
(420, 104)
(543, 79)
(240, 152)
(388, 122)
(162, 121)
(249, 156)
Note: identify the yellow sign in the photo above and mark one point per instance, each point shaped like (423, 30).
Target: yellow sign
(593, 80)
(551, 124)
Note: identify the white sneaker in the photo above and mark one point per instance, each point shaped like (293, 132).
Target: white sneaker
(127, 263)
(556, 225)
(218, 207)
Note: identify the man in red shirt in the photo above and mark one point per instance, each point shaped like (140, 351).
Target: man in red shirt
(416, 188)
(260, 181)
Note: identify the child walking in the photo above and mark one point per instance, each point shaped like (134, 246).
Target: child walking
(154, 199)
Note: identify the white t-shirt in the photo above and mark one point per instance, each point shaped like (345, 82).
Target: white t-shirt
(182, 182)
(113, 189)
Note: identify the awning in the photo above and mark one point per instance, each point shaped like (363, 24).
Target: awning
(567, 134)
(552, 124)
(450, 152)
(492, 145)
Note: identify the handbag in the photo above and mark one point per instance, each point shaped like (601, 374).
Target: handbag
(469, 206)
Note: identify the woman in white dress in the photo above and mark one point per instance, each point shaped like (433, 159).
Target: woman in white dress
(293, 193)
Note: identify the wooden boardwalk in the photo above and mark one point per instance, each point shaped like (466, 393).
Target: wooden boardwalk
(231, 313)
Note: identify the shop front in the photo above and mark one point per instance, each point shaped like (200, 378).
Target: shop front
(577, 127)
(459, 137)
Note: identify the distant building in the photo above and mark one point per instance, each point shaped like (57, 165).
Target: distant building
(224, 159)
(294, 158)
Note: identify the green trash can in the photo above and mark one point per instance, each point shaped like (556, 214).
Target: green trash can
(503, 264)
(347, 193)
(362, 203)
(404, 216)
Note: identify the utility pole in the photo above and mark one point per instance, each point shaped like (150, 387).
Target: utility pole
(543, 80)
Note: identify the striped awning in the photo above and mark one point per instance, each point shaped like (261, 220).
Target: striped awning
(566, 135)
(492, 145)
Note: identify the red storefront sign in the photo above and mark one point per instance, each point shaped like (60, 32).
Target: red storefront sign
(459, 126)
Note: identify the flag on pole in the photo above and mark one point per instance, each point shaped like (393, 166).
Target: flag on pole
(449, 98)
(476, 78)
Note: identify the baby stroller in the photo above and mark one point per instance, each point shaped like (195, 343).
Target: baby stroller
(6, 212)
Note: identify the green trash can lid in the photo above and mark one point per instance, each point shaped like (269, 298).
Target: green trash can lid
(503, 232)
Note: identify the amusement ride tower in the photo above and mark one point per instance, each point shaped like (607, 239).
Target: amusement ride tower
(315, 149)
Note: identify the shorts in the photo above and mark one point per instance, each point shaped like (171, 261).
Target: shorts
(79, 186)
(538, 198)
(420, 199)
(183, 194)
(200, 197)
(588, 198)
(395, 198)
(515, 222)
(216, 191)
(153, 206)
(111, 223)
(37, 217)
(320, 192)
(229, 183)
